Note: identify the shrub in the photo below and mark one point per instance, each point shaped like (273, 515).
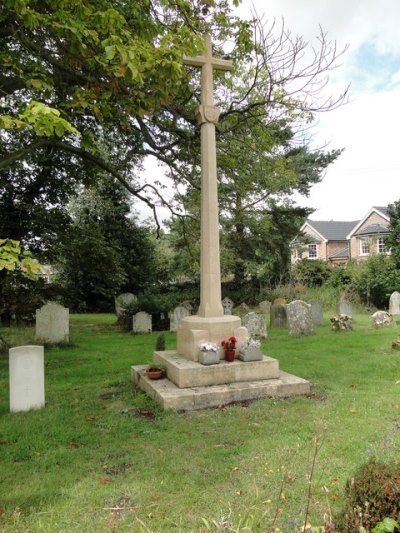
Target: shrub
(160, 342)
(312, 273)
(372, 495)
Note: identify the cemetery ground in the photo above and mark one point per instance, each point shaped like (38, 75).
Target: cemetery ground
(102, 456)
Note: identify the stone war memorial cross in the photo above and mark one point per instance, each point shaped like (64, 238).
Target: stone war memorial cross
(210, 324)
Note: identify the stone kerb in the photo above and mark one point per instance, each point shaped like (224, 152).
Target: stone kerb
(299, 318)
(52, 324)
(255, 324)
(26, 378)
(142, 323)
(394, 303)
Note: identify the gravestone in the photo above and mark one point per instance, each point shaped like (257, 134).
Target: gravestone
(123, 301)
(380, 318)
(280, 301)
(26, 378)
(278, 316)
(188, 306)
(242, 308)
(345, 308)
(317, 313)
(299, 318)
(52, 324)
(255, 324)
(142, 323)
(227, 304)
(176, 316)
(265, 306)
(394, 303)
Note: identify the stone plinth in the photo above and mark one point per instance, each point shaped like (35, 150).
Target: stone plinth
(184, 373)
(193, 330)
(169, 396)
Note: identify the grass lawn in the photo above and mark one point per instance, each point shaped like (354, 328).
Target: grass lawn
(102, 456)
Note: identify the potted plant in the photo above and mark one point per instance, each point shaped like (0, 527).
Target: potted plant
(155, 371)
(250, 350)
(208, 353)
(229, 347)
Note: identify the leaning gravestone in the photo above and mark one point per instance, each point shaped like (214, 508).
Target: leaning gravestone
(265, 306)
(278, 316)
(26, 378)
(317, 313)
(299, 318)
(255, 324)
(123, 301)
(345, 308)
(52, 324)
(175, 317)
(381, 318)
(227, 304)
(394, 303)
(141, 323)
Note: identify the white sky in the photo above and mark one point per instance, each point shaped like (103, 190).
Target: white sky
(368, 171)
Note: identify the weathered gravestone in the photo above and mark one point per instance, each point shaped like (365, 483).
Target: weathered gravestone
(345, 308)
(394, 303)
(380, 318)
(265, 306)
(176, 316)
(141, 323)
(123, 301)
(317, 313)
(188, 305)
(52, 324)
(278, 316)
(26, 378)
(299, 318)
(227, 304)
(255, 324)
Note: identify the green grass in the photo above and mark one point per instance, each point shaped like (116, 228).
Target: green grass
(102, 456)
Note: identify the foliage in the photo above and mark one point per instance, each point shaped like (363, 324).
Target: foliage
(393, 240)
(371, 495)
(388, 525)
(160, 342)
(374, 279)
(312, 273)
(13, 257)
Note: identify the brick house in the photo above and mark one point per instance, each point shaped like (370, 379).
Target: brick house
(337, 242)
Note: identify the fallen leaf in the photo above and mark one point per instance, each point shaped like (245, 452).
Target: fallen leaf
(90, 418)
(398, 382)
(353, 385)
(354, 410)
(239, 492)
(72, 445)
(105, 480)
(235, 469)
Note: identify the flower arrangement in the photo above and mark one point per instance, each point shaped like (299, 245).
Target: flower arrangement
(208, 347)
(229, 345)
(251, 343)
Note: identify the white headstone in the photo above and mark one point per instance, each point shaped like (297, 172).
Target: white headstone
(227, 304)
(124, 300)
(52, 324)
(141, 323)
(299, 318)
(176, 316)
(394, 303)
(255, 324)
(265, 306)
(26, 378)
(345, 308)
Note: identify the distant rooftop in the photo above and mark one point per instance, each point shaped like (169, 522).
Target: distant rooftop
(333, 230)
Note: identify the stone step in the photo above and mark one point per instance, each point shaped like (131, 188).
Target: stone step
(185, 373)
(169, 396)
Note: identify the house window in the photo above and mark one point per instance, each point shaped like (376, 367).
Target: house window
(380, 245)
(364, 246)
(312, 251)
